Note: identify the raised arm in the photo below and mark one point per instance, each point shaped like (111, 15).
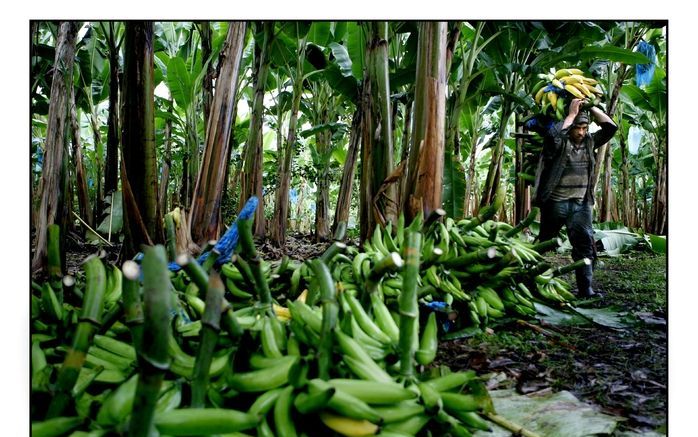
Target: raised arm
(600, 116)
(608, 127)
(572, 113)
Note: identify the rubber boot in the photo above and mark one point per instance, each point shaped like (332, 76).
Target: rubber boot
(584, 276)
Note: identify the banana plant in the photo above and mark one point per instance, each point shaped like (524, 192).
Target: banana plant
(112, 34)
(50, 201)
(205, 213)
(508, 57)
(426, 160)
(139, 163)
(378, 204)
(333, 85)
(323, 115)
(184, 76)
(91, 89)
(251, 178)
(456, 184)
(647, 110)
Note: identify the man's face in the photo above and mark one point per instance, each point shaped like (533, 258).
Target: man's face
(578, 132)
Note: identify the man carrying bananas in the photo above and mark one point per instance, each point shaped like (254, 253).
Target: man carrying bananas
(564, 187)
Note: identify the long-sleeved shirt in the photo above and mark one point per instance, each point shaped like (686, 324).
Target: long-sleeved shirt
(557, 149)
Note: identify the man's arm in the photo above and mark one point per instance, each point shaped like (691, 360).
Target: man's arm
(600, 116)
(608, 127)
(571, 113)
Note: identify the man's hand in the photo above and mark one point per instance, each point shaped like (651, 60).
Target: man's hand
(575, 104)
(572, 112)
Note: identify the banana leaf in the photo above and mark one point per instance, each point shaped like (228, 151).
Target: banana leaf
(557, 414)
(638, 97)
(615, 242)
(341, 58)
(179, 82)
(115, 213)
(320, 32)
(657, 243)
(611, 53)
(356, 45)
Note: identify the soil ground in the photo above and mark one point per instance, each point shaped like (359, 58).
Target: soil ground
(622, 371)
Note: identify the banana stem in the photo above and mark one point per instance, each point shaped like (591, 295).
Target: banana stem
(69, 287)
(433, 217)
(524, 223)
(545, 246)
(334, 249)
(196, 273)
(211, 327)
(515, 428)
(330, 310)
(154, 345)
(243, 268)
(493, 231)
(572, 266)
(171, 237)
(249, 252)
(486, 254)
(228, 321)
(409, 309)
(133, 309)
(90, 319)
(213, 255)
(540, 268)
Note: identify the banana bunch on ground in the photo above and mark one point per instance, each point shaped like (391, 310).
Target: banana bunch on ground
(480, 268)
(201, 353)
(556, 89)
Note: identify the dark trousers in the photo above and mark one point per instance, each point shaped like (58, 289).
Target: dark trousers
(575, 215)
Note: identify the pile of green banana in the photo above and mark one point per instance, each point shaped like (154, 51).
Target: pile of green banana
(556, 89)
(483, 269)
(144, 351)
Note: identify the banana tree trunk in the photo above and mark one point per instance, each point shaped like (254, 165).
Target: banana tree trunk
(341, 214)
(166, 165)
(252, 176)
(424, 187)
(626, 208)
(658, 223)
(406, 135)
(138, 134)
(58, 112)
(324, 148)
(494, 172)
(99, 158)
(80, 176)
(471, 174)
(204, 218)
(322, 203)
(377, 150)
(207, 85)
(111, 170)
(191, 159)
(632, 203)
(280, 218)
